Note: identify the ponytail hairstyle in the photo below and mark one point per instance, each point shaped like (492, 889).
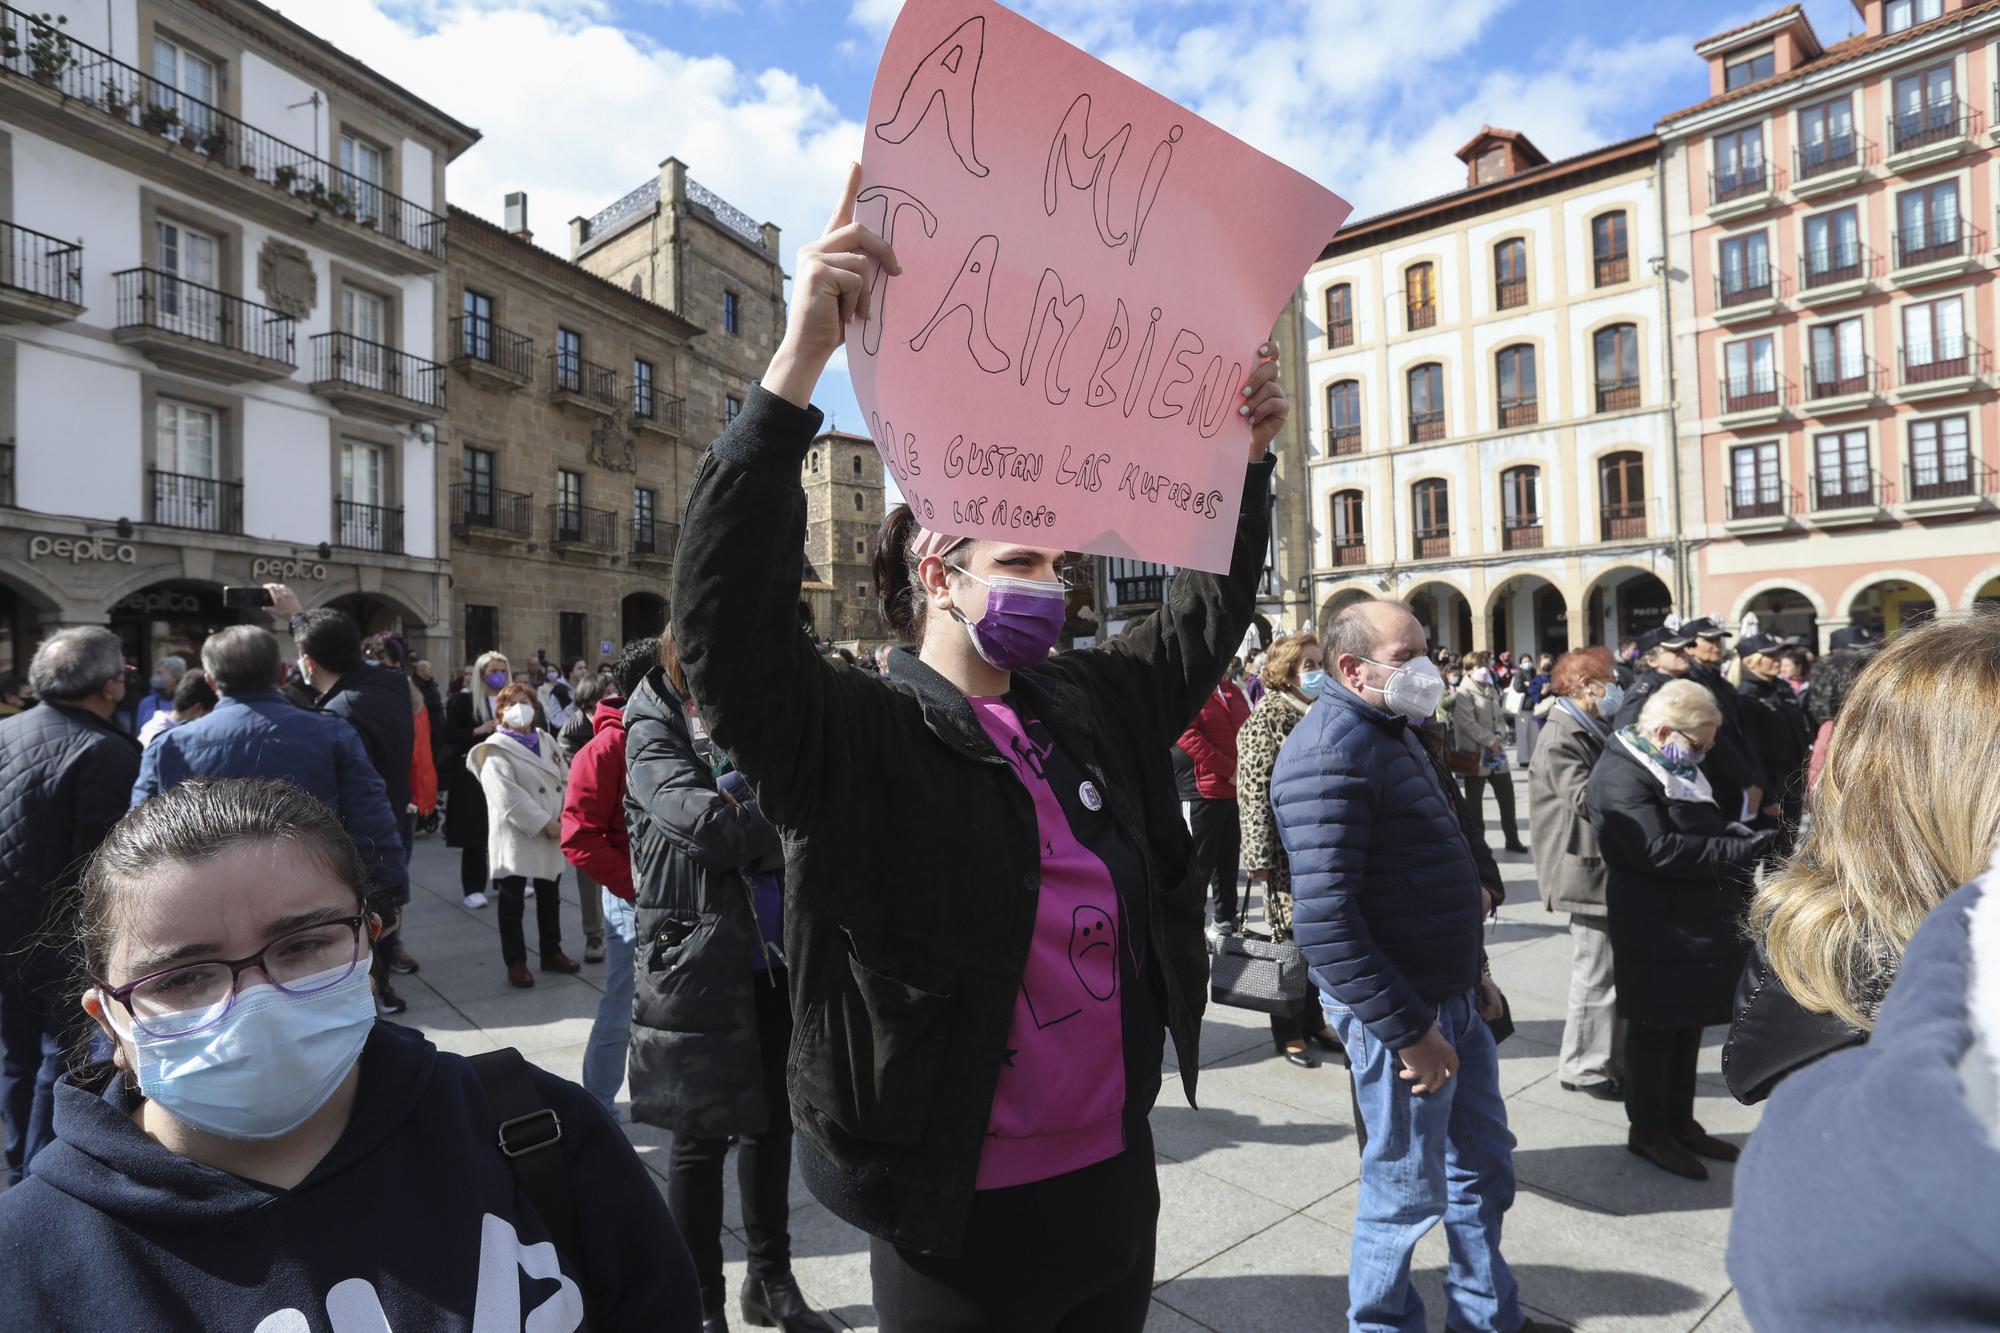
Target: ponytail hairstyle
(897, 589)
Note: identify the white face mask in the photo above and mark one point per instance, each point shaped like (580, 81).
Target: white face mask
(1413, 689)
(517, 717)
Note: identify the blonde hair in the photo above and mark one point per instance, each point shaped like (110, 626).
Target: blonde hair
(1680, 704)
(1901, 818)
(1281, 661)
(482, 706)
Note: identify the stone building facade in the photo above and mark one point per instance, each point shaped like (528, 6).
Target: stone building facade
(570, 453)
(845, 496)
(679, 244)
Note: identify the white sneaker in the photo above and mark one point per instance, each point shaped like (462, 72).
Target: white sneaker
(528, 892)
(475, 900)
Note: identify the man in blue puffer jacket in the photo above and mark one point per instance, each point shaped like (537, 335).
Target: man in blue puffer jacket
(1386, 908)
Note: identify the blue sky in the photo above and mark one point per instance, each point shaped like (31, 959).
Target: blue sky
(580, 99)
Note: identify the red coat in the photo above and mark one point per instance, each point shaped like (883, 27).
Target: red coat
(423, 772)
(1211, 742)
(593, 819)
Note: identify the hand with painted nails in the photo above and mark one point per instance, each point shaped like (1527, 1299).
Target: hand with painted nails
(1264, 402)
(830, 289)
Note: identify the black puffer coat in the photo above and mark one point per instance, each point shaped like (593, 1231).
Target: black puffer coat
(1675, 888)
(695, 1064)
(912, 854)
(1773, 1035)
(465, 814)
(375, 701)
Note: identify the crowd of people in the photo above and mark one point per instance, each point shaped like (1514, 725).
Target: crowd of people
(946, 992)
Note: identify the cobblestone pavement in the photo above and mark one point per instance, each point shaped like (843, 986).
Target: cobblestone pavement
(1258, 1186)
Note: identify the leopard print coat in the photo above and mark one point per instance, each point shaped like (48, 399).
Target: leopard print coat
(1257, 746)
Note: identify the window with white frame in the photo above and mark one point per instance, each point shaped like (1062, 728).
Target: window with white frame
(189, 260)
(1826, 136)
(1842, 477)
(1739, 162)
(367, 166)
(1927, 223)
(1837, 364)
(1746, 70)
(1924, 107)
(186, 441)
(1756, 489)
(1934, 339)
(1833, 246)
(364, 317)
(186, 84)
(1940, 457)
(1750, 374)
(1900, 14)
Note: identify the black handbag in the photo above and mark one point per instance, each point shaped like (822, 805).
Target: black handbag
(1250, 971)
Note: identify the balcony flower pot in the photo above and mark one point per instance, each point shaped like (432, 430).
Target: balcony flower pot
(159, 119)
(347, 215)
(284, 175)
(190, 140)
(368, 223)
(247, 168)
(215, 143)
(49, 52)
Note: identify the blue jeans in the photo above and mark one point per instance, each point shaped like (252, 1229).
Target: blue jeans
(31, 1058)
(1446, 1155)
(604, 1054)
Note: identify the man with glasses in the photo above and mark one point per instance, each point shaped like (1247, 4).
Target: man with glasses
(64, 772)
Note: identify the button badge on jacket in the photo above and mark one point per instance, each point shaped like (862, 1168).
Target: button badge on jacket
(1087, 793)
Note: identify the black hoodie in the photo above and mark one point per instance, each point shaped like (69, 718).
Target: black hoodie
(412, 1221)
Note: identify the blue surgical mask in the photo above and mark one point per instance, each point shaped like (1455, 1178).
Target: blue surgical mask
(272, 1061)
(1311, 683)
(1614, 695)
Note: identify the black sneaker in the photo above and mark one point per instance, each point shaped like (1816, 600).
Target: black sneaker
(387, 1002)
(1609, 1091)
(399, 958)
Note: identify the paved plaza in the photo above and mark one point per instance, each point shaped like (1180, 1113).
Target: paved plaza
(1258, 1185)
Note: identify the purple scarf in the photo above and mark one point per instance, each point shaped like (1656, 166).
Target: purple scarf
(531, 739)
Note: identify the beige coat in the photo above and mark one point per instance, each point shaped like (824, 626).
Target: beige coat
(1476, 719)
(1568, 866)
(524, 791)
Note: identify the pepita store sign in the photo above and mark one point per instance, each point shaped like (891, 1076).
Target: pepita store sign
(82, 550)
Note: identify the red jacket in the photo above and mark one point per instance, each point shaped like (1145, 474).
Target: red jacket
(1211, 741)
(593, 818)
(423, 772)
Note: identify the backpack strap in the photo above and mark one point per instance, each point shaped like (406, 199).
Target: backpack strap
(529, 1137)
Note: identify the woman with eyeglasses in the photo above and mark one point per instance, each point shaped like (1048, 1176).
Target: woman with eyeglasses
(260, 1153)
(990, 924)
(1677, 873)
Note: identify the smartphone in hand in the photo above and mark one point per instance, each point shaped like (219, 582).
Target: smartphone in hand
(246, 599)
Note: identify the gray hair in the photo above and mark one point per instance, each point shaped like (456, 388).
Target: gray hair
(1350, 632)
(173, 664)
(242, 657)
(74, 664)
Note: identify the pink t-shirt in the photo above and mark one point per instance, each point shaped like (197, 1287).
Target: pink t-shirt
(1060, 1103)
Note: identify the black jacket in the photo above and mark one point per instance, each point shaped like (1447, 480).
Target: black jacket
(413, 1220)
(912, 858)
(375, 701)
(465, 813)
(1773, 1035)
(1776, 727)
(1675, 891)
(65, 778)
(695, 1064)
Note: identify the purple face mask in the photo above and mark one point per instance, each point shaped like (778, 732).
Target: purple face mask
(497, 679)
(1023, 620)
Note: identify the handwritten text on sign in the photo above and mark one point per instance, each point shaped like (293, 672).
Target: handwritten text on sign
(1088, 270)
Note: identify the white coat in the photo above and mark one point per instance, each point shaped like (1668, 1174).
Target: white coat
(524, 792)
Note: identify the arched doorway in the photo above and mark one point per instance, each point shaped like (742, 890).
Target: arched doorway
(641, 615)
(1785, 613)
(1890, 605)
(1623, 605)
(1527, 615)
(171, 618)
(1445, 615)
(1988, 594)
(19, 631)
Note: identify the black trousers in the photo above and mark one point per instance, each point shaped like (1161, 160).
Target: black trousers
(1072, 1253)
(1472, 813)
(472, 871)
(548, 917)
(1308, 1017)
(1660, 1067)
(1218, 852)
(763, 1164)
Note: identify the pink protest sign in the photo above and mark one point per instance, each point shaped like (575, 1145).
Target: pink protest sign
(1088, 271)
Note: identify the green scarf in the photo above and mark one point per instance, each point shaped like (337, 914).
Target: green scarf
(1685, 772)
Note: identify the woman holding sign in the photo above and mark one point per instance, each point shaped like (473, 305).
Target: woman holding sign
(991, 922)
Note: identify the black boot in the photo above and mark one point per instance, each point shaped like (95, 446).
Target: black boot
(776, 1302)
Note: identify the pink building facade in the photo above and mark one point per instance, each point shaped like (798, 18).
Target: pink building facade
(1831, 245)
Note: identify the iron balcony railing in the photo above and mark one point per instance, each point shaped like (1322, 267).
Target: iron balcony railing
(1945, 238)
(490, 509)
(1426, 426)
(1832, 264)
(201, 503)
(1521, 533)
(1935, 122)
(480, 339)
(342, 358)
(1753, 392)
(1748, 179)
(1753, 284)
(41, 265)
(1948, 476)
(664, 409)
(150, 298)
(652, 537)
(1518, 412)
(1836, 377)
(366, 527)
(1343, 440)
(1622, 523)
(1340, 333)
(1349, 551)
(1510, 292)
(1763, 498)
(1423, 316)
(1946, 360)
(1433, 543)
(1835, 153)
(1620, 395)
(571, 374)
(1613, 269)
(7, 475)
(579, 525)
(1850, 488)
(108, 86)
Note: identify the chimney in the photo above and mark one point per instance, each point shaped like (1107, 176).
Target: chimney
(517, 215)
